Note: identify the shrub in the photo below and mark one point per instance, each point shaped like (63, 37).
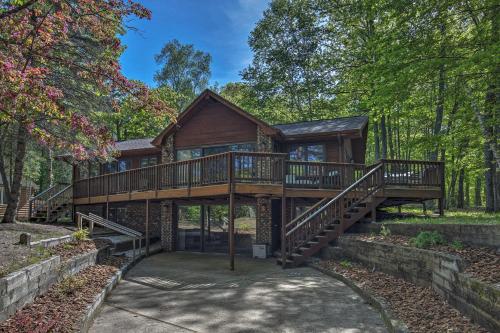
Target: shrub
(81, 234)
(457, 245)
(70, 285)
(384, 231)
(345, 263)
(426, 239)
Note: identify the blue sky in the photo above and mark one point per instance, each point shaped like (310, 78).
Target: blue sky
(220, 27)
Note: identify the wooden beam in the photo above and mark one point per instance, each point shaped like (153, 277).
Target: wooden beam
(231, 231)
(202, 228)
(147, 227)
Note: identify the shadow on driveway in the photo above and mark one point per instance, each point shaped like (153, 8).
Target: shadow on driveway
(187, 292)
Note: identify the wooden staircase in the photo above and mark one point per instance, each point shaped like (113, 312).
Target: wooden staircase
(51, 204)
(307, 234)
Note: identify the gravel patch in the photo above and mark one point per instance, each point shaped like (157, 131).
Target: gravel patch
(420, 308)
(61, 309)
(12, 252)
(483, 263)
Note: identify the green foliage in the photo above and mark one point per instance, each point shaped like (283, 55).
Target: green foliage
(457, 245)
(81, 234)
(385, 231)
(425, 74)
(451, 217)
(35, 256)
(185, 70)
(426, 239)
(346, 264)
(70, 285)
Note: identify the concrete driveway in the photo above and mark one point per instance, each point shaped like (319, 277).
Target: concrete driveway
(187, 292)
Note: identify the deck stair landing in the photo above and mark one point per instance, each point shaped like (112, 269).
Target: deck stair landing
(307, 234)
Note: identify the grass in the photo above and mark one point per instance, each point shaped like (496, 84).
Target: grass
(450, 217)
(36, 255)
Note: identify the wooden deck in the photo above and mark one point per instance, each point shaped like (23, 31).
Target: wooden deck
(257, 174)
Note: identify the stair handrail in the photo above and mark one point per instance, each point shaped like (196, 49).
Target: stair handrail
(339, 196)
(65, 191)
(333, 209)
(42, 196)
(95, 219)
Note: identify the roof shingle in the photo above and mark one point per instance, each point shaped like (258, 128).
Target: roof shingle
(135, 144)
(323, 126)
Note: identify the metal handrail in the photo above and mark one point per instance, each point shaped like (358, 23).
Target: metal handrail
(95, 219)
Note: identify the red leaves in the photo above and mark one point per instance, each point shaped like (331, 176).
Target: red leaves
(38, 39)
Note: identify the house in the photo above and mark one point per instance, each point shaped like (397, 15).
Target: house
(307, 181)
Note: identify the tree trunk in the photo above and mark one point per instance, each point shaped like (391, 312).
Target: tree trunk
(383, 136)
(377, 140)
(460, 192)
(451, 202)
(15, 186)
(440, 96)
(489, 181)
(477, 192)
(390, 137)
(467, 192)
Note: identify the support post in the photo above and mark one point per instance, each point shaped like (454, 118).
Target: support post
(231, 230)
(147, 227)
(202, 228)
(231, 211)
(283, 221)
(374, 211)
(209, 213)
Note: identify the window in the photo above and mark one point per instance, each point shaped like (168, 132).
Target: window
(94, 169)
(188, 154)
(118, 214)
(307, 152)
(148, 161)
(83, 170)
(110, 167)
(123, 165)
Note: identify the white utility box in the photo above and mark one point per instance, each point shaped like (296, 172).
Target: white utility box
(260, 251)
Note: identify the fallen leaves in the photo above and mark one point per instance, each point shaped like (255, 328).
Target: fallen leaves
(420, 308)
(57, 311)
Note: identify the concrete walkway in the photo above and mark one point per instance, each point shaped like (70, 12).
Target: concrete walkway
(185, 292)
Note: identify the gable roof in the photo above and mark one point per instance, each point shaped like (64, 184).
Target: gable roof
(134, 144)
(207, 93)
(328, 126)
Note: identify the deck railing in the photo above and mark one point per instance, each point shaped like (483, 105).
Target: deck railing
(254, 167)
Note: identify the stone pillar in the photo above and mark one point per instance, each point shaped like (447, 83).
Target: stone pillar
(168, 150)
(264, 145)
(168, 225)
(263, 221)
(264, 142)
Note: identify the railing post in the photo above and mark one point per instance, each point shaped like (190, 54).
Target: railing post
(30, 209)
(283, 215)
(442, 180)
(48, 210)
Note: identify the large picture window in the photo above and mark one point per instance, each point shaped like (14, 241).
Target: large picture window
(149, 161)
(307, 152)
(188, 154)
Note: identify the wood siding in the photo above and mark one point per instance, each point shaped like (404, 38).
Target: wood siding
(214, 124)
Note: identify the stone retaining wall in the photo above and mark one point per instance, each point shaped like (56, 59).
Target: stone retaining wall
(443, 272)
(472, 234)
(51, 242)
(21, 287)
